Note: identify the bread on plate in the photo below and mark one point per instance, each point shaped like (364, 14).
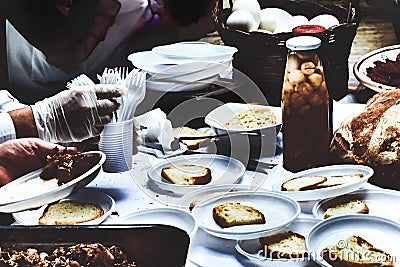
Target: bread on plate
(286, 245)
(355, 206)
(187, 174)
(233, 214)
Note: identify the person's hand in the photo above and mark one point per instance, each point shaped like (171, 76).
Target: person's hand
(21, 156)
(76, 114)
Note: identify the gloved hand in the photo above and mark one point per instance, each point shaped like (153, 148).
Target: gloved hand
(76, 114)
(21, 156)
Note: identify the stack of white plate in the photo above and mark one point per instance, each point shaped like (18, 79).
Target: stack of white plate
(184, 66)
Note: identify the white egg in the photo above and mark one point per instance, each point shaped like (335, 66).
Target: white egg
(251, 6)
(325, 20)
(242, 20)
(271, 17)
(299, 20)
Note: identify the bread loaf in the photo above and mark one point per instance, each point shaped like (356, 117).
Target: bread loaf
(233, 214)
(372, 138)
(356, 252)
(187, 174)
(190, 132)
(286, 245)
(356, 206)
(69, 212)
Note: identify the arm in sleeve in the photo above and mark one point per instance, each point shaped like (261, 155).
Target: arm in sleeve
(7, 129)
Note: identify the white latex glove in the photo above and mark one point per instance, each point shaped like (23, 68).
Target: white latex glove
(76, 114)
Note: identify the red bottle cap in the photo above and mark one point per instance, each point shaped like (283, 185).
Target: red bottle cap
(308, 30)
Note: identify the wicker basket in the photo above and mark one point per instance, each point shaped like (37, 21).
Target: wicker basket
(262, 56)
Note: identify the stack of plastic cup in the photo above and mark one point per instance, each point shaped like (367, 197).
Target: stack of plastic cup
(116, 142)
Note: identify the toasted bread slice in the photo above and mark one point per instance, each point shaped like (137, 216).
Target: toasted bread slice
(357, 253)
(252, 119)
(233, 214)
(335, 180)
(286, 245)
(190, 132)
(355, 206)
(68, 212)
(187, 174)
(303, 183)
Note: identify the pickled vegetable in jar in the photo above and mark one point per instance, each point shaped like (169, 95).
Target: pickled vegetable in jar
(305, 107)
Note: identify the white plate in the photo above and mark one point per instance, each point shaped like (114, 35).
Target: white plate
(196, 50)
(366, 61)
(41, 199)
(333, 191)
(222, 114)
(279, 211)
(87, 195)
(202, 194)
(163, 86)
(224, 170)
(253, 250)
(379, 202)
(381, 233)
(165, 216)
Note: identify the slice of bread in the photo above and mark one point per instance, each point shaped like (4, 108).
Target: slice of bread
(233, 214)
(357, 252)
(187, 174)
(303, 183)
(355, 206)
(252, 119)
(286, 245)
(190, 132)
(335, 180)
(68, 212)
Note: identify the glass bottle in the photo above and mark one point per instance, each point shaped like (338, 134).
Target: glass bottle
(305, 106)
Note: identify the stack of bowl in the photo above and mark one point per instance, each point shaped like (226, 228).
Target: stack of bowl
(184, 66)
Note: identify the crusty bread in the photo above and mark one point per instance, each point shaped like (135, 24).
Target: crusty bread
(252, 119)
(335, 180)
(286, 245)
(371, 138)
(68, 212)
(357, 252)
(233, 214)
(187, 174)
(302, 183)
(190, 132)
(356, 206)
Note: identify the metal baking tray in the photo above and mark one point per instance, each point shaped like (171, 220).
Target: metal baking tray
(146, 245)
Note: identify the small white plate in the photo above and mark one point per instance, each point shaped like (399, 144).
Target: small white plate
(379, 202)
(202, 194)
(224, 170)
(366, 61)
(279, 211)
(165, 216)
(253, 250)
(38, 200)
(333, 191)
(87, 195)
(196, 50)
(218, 117)
(381, 233)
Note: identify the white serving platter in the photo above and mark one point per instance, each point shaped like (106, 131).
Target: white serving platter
(379, 201)
(166, 216)
(279, 211)
(195, 50)
(218, 117)
(253, 250)
(38, 199)
(381, 233)
(328, 192)
(224, 170)
(86, 195)
(366, 61)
